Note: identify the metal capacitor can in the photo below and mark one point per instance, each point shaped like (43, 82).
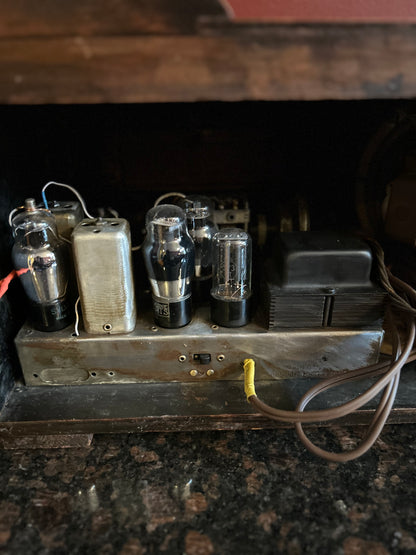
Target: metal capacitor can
(102, 256)
(68, 214)
(39, 249)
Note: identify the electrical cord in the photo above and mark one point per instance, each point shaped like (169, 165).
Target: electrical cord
(313, 416)
(402, 303)
(377, 423)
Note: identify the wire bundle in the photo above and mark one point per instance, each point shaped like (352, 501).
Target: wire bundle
(402, 311)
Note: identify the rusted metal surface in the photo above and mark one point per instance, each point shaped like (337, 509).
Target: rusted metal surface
(152, 354)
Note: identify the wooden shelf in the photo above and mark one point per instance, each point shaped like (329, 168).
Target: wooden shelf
(115, 408)
(126, 52)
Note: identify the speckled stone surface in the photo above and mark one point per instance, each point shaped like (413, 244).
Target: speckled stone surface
(213, 492)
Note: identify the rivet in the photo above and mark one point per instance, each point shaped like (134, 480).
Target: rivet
(154, 328)
(210, 372)
(193, 373)
(182, 358)
(220, 358)
(214, 327)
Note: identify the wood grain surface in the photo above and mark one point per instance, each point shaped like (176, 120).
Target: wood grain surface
(278, 63)
(25, 18)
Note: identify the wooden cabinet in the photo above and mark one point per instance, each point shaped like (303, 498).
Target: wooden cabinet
(163, 51)
(150, 54)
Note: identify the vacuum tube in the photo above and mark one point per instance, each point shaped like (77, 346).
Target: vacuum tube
(38, 248)
(168, 252)
(198, 210)
(231, 278)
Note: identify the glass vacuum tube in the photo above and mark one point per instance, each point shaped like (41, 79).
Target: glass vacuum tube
(198, 210)
(168, 252)
(231, 278)
(38, 248)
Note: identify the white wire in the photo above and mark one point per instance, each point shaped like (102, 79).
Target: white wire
(76, 331)
(157, 202)
(113, 212)
(167, 195)
(14, 212)
(20, 208)
(102, 211)
(81, 200)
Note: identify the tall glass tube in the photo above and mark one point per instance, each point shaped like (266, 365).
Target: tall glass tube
(168, 252)
(231, 278)
(198, 210)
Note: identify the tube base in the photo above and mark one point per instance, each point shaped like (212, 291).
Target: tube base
(230, 314)
(174, 314)
(50, 316)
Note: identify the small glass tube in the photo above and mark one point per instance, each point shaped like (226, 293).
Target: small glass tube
(198, 210)
(231, 278)
(38, 248)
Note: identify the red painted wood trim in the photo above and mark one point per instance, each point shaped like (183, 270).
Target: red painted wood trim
(288, 11)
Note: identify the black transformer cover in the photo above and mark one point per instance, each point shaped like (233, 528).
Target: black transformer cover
(316, 279)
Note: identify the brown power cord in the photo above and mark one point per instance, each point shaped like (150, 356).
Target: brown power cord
(402, 302)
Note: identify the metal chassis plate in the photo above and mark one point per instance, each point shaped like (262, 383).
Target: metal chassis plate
(153, 354)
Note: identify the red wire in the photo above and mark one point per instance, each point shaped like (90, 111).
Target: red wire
(5, 282)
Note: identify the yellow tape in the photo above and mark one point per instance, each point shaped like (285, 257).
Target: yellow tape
(249, 370)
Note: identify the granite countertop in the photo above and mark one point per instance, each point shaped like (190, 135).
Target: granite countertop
(212, 492)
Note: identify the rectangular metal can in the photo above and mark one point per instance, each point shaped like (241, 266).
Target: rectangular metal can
(67, 214)
(102, 256)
